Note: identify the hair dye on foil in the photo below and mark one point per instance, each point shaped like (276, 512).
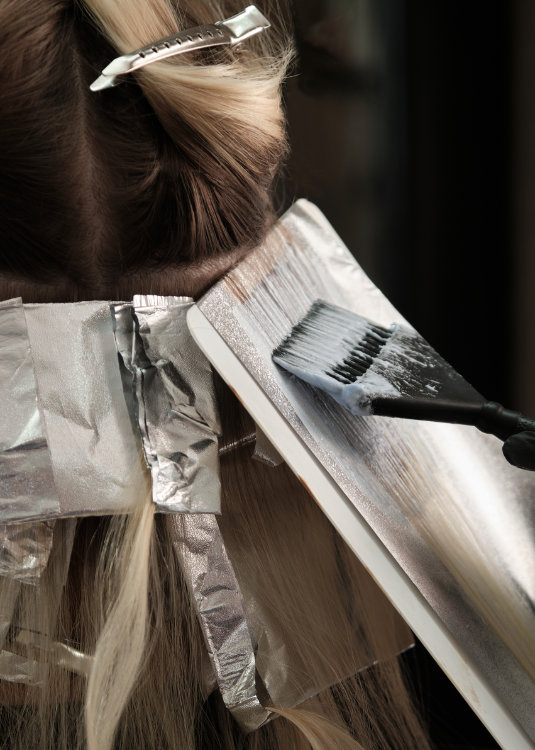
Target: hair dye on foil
(457, 520)
(174, 401)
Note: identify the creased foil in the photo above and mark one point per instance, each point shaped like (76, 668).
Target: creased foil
(264, 450)
(95, 453)
(9, 594)
(30, 671)
(61, 654)
(175, 402)
(27, 486)
(200, 549)
(22, 629)
(448, 507)
(24, 549)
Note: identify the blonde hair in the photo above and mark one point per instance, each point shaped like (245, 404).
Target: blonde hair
(171, 169)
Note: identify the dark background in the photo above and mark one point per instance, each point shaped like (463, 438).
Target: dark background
(412, 128)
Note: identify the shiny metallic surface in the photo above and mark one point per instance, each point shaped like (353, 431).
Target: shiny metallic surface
(229, 32)
(60, 654)
(264, 450)
(27, 488)
(70, 438)
(95, 453)
(9, 594)
(20, 669)
(175, 403)
(23, 630)
(222, 612)
(227, 446)
(25, 549)
(442, 498)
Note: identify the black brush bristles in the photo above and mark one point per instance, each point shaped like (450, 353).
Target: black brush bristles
(394, 372)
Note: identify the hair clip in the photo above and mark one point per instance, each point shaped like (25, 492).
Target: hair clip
(230, 32)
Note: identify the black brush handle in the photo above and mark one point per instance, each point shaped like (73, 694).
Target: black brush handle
(515, 429)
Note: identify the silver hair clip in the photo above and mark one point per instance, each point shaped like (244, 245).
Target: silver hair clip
(230, 32)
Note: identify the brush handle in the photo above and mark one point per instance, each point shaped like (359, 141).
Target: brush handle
(502, 422)
(516, 430)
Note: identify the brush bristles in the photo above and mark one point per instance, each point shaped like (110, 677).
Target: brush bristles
(333, 342)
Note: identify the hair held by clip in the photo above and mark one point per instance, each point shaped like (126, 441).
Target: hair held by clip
(171, 168)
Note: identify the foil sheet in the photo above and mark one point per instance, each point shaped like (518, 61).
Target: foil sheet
(70, 438)
(222, 612)
(23, 629)
(61, 654)
(264, 450)
(20, 669)
(27, 488)
(95, 453)
(15, 667)
(175, 403)
(442, 498)
(9, 594)
(25, 549)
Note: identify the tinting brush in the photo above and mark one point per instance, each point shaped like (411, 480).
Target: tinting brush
(394, 372)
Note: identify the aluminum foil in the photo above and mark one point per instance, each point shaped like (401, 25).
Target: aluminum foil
(175, 403)
(264, 450)
(61, 654)
(25, 549)
(9, 594)
(453, 513)
(27, 488)
(22, 629)
(95, 453)
(20, 669)
(222, 613)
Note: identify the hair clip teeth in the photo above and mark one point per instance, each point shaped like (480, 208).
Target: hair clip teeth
(230, 32)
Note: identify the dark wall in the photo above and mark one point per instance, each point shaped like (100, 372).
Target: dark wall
(459, 252)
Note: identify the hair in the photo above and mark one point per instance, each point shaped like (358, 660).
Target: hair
(147, 188)
(170, 169)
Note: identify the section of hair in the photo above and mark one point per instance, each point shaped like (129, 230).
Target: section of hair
(173, 166)
(150, 657)
(100, 192)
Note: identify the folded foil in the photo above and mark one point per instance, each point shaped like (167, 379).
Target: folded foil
(27, 488)
(264, 450)
(95, 453)
(174, 401)
(61, 654)
(70, 441)
(411, 481)
(21, 629)
(222, 613)
(25, 549)
(20, 669)
(9, 594)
